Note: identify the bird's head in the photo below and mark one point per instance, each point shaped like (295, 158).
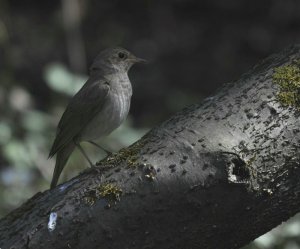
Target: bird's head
(118, 59)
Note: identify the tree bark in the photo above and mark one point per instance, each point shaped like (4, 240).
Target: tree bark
(216, 175)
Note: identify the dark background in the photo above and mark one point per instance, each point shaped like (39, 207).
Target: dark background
(193, 47)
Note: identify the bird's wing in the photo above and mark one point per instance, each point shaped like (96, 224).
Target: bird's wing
(81, 109)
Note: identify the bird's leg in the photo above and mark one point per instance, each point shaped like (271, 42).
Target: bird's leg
(84, 154)
(97, 145)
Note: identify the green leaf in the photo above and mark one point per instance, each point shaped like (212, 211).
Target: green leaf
(60, 79)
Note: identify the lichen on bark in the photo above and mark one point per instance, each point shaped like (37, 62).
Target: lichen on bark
(109, 191)
(288, 79)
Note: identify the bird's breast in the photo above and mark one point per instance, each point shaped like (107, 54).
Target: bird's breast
(113, 113)
(119, 107)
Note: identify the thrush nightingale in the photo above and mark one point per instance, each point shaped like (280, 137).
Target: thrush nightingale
(97, 109)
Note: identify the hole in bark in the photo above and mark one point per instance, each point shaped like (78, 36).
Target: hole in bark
(240, 169)
(237, 169)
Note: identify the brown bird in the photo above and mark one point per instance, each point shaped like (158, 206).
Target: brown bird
(97, 109)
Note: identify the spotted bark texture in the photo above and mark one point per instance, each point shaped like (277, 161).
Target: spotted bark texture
(216, 175)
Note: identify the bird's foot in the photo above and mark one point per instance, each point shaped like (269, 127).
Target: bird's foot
(100, 147)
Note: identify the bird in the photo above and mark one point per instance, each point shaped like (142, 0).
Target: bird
(98, 108)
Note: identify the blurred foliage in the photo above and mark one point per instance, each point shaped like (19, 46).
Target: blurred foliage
(193, 47)
(60, 79)
(285, 236)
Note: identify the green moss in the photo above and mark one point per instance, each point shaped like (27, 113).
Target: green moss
(128, 155)
(288, 79)
(109, 191)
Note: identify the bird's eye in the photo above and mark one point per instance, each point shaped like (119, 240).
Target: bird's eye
(122, 55)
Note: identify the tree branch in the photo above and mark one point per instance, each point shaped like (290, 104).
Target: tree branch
(216, 175)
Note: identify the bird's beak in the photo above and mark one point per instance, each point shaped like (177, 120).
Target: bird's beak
(135, 59)
(140, 60)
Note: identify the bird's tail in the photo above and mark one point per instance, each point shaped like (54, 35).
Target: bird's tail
(61, 160)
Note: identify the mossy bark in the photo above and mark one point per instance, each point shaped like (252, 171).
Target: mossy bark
(216, 175)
